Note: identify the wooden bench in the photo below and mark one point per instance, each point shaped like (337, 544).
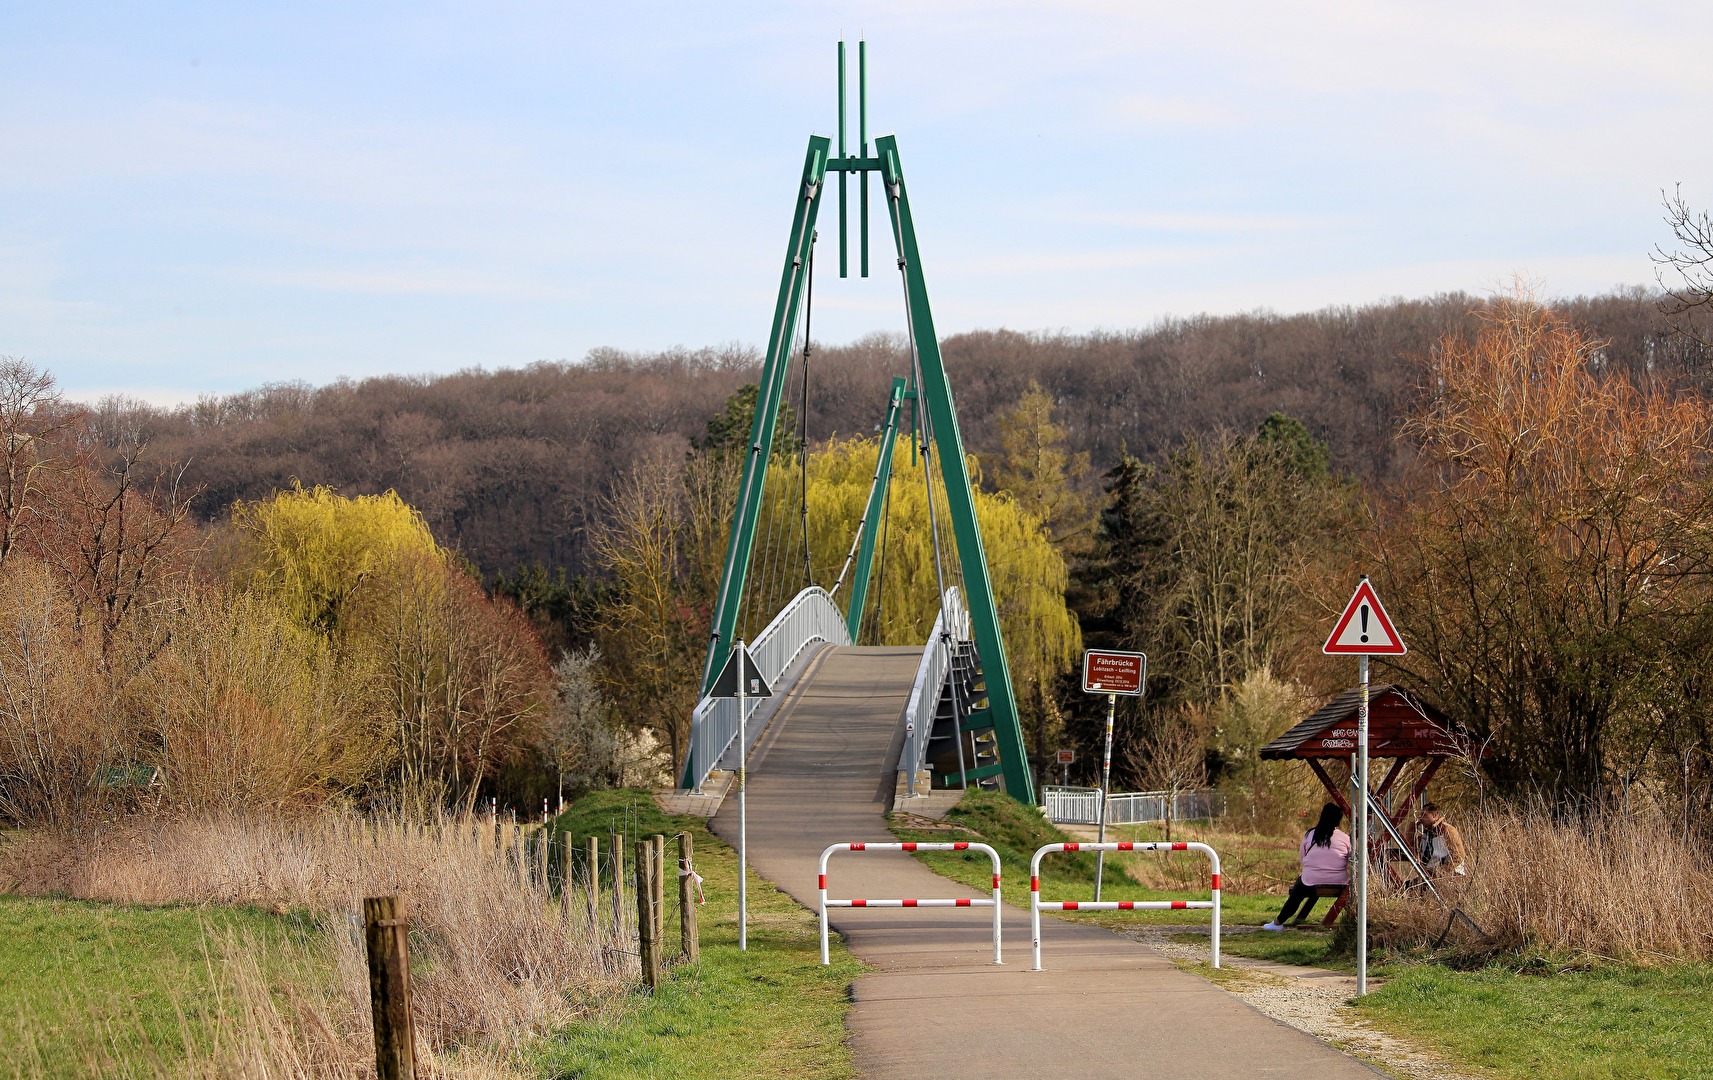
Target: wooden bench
(1342, 894)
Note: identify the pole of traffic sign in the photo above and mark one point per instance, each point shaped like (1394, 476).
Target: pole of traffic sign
(743, 811)
(1363, 630)
(1361, 824)
(1105, 784)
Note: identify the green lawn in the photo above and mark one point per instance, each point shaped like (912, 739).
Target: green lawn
(1610, 1022)
(92, 989)
(1305, 947)
(771, 1012)
(1526, 1019)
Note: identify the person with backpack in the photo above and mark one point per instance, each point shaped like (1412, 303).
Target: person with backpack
(1324, 856)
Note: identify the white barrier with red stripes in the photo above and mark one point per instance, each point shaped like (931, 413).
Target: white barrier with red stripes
(976, 902)
(1038, 905)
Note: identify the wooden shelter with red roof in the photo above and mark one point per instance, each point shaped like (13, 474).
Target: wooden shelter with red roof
(1401, 726)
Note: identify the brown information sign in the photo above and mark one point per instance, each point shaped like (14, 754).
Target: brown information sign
(1109, 672)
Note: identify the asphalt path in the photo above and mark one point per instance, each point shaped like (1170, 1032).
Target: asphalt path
(935, 1005)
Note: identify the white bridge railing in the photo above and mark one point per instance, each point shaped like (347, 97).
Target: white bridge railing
(930, 679)
(811, 616)
(1081, 806)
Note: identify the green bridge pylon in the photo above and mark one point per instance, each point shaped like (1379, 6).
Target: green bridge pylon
(938, 432)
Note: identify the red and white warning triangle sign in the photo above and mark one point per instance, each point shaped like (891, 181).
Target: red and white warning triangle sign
(1364, 629)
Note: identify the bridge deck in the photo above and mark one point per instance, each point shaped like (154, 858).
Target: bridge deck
(935, 1006)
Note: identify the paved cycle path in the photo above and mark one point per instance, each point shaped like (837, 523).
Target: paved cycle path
(935, 1006)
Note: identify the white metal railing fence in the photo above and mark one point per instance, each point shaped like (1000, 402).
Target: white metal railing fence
(1081, 806)
(1071, 805)
(931, 677)
(996, 902)
(811, 616)
(1038, 905)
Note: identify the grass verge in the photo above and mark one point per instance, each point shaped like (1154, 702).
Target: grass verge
(90, 989)
(1603, 1023)
(1530, 1018)
(1303, 947)
(773, 1011)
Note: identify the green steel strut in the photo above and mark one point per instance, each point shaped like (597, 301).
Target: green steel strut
(936, 392)
(779, 342)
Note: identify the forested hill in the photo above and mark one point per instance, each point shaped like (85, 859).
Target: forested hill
(511, 465)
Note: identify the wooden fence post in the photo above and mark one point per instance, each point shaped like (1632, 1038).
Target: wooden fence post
(386, 927)
(687, 938)
(593, 882)
(617, 843)
(567, 872)
(646, 944)
(657, 882)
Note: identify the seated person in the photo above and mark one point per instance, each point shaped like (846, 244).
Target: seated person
(1325, 859)
(1438, 843)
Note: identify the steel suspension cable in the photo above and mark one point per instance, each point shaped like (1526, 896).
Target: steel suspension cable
(880, 589)
(770, 576)
(762, 557)
(778, 562)
(745, 493)
(925, 433)
(803, 412)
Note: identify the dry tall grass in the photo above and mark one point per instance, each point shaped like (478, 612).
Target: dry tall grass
(498, 954)
(1621, 886)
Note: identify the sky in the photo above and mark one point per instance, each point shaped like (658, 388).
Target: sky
(201, 198)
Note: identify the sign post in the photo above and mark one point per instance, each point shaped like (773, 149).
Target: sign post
(1066, 757)
(741, 679)
(1111, 673)
(1363, 630)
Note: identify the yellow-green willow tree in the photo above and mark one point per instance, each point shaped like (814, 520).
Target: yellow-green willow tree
(1029, 575)
(455, 684)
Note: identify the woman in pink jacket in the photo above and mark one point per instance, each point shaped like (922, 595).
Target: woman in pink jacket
(1325, 858)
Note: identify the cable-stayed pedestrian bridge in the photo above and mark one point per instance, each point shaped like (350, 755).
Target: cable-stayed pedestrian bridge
(962, 719)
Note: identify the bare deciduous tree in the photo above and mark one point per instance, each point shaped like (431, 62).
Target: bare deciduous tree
(1685, 271)
(650, 631)
(1552, 550)
(1172, 760)
(111, 531)
(578, 742)
(32, 413)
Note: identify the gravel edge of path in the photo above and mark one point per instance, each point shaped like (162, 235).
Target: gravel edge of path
(1315, 1001)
